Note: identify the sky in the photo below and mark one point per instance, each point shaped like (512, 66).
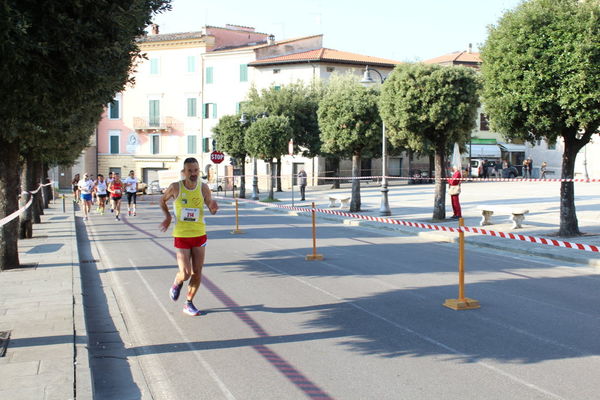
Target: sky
(402, 30)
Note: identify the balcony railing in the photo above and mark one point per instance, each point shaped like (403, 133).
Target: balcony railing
(153, 125)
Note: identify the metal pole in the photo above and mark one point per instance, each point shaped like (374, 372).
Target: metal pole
(292, 186)
(461, 261)
(237, 225)
(255, 182)
(63, 198)
(385, 206)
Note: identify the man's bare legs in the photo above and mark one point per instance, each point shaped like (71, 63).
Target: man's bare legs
(190, 264)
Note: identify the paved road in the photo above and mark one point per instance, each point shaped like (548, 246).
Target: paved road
(365, 323)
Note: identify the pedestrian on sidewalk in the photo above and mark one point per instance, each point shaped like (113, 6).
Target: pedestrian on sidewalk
(543, 169)
(302, 183)
(454, 191)
(116, 193)
(75, 184)
(189, 198)
(131, 189)
(86, 186)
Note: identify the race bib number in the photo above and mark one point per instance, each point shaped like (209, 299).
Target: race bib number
(190, 214)
(117, 191)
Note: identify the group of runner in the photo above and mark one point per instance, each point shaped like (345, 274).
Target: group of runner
(89, 190)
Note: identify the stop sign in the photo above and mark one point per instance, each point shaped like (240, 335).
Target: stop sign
(217, 157)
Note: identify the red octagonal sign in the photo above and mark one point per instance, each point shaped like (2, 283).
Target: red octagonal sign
(217, 157)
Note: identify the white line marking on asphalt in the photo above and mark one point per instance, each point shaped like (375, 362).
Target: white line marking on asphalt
(413, 332)
(187, 341)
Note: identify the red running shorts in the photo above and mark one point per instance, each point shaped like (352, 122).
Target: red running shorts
(189, 242)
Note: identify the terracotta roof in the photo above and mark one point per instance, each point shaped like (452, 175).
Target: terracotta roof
(459, 57)
(164, 37)
(326, 55)
(264, 44)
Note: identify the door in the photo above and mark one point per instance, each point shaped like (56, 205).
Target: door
(154, 113)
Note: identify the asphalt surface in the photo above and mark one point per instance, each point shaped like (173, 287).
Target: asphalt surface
(365, 323)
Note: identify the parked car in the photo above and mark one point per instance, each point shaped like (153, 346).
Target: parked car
(142, 187)
(154, 187)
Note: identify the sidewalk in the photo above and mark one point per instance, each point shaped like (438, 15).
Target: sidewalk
(41, 306)
(414, 203)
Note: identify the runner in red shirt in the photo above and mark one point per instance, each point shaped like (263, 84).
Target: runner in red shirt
(116, 192)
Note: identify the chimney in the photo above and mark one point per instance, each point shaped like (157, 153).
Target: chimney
(470, 48)
(154, 29)
(271, 39)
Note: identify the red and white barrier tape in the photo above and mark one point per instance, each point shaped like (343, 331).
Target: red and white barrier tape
(21, 210)
(505, 235)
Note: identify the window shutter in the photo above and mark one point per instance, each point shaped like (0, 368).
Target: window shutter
(205, 145)
(205, 110)
(154, 66)
(114, 144)
(191, 107)
(214, 114)
(113, 107)
(192, 144)
(244, 73)
(209, 74)
(191, 64)
(154, 112)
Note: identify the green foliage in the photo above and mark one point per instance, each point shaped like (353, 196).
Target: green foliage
(299, 103)
(429, 105)
(229, 134)
(268, 137)
(349, 118)
(541, 70)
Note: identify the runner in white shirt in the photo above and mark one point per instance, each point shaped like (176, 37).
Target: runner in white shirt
(86, 185)
(131, 190)
(101, 192)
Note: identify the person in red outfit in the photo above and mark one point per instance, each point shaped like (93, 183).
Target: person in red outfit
(454, 190)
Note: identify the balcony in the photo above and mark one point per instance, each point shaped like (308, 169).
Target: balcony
(153, 125)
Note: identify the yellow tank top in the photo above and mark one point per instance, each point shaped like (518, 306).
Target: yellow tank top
(189, 212)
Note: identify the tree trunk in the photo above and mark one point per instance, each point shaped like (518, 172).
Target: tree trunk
(242, 178)
(271, 194)
(432, 164)
(355, 203)
(38, 202)
(439, 204)
(279, 174)
(336, 174)
(9, 193)
(568, 216)
(27, 185)
(48, 195)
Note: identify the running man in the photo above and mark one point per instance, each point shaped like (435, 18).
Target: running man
(85, 186)
(75, 184)
(101, 193)
(190, 196)
(131, 189)
(116, 192)
(108, 182)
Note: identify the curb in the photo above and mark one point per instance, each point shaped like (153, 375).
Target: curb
(83, 384)
(473, 240)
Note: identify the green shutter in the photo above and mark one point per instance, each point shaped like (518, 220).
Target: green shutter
(238, 108)
(154, 66)
(205, 145)
(205, 110)
(155, 144)
(114, 109)
(277, 87)
(114, 145)
(154, 113)
(209, 74)
(191, 107)
(214, 114)
(244, 73)
(191, 144)
(191, 64)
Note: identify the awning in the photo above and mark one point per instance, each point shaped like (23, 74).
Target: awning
(512, 148)
(485, 151)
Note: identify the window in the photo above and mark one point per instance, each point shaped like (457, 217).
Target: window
(483, 123)
(191, 140)
(551, 146)
(191, 64)
(113, 109)
(276, 70)
(206, 108)
(244, 73)
(115, 170)
(238, 108)
(154, 66)
(277, 88)
(154, 112)
(209, 74)
(155, 144)
(330, 69)
(191, 107)
(205, 143)
(114, 139)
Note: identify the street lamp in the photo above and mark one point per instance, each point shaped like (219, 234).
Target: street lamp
(244, 121)
(385, 206)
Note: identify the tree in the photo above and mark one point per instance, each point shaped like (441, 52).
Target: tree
(53, 60)
(350, 125)
(541, 80)
(267, 138)
(430, 105)
(229, 134)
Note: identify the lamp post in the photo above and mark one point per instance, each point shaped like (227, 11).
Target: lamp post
(385, 206)
(244, 121)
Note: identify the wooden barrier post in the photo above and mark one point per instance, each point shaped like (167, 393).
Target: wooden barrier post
(237, 225)
(314, 256)
(462, 303)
